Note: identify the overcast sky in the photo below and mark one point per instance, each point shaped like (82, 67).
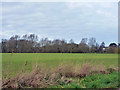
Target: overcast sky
(68, 20)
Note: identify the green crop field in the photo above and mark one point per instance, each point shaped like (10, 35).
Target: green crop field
(14, 62)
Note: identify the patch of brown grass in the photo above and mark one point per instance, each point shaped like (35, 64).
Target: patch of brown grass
(99, 69)
(37, 78)
(66, 70)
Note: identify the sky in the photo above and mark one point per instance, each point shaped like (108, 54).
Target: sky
(61, 20)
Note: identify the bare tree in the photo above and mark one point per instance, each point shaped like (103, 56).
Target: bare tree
(84, 40)
(92, 44)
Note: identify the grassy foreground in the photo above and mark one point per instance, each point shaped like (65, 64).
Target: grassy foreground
(93, 81)
(12, 63)
(57, 70)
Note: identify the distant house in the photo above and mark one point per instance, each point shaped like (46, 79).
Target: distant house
(113, 45)
(105, 49)
(102, 49)
(110, 48)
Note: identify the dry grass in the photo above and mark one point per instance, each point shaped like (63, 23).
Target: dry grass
(37, 78)
(44, 78)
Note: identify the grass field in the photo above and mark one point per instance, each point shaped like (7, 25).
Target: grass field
(59, 70)
(14, 62)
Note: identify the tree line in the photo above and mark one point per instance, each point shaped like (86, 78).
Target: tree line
(32, 44)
